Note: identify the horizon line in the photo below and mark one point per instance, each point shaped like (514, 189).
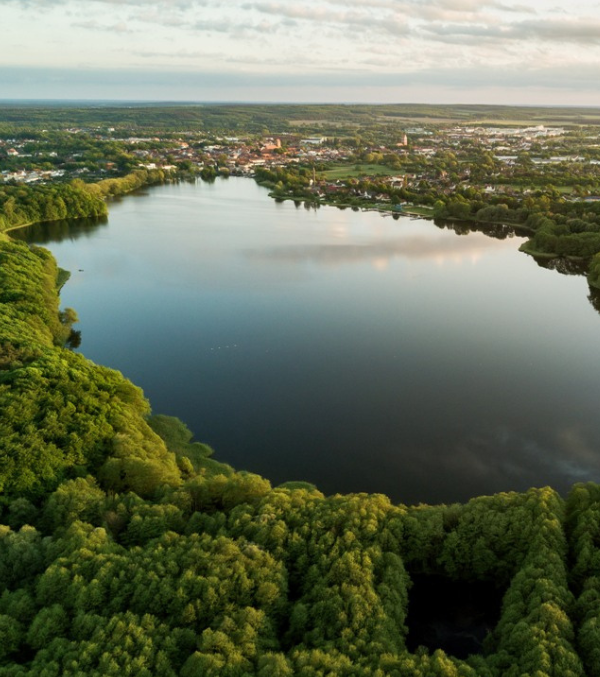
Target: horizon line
(247, 102)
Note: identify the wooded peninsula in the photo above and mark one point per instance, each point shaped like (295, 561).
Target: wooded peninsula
(127, 549)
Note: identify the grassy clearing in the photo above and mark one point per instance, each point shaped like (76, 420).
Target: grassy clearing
(323, 123)
(355, 171)
(527, 248)
(418, 211)
(62, 278)
(296, 485)
(177, 438)
(563, 190)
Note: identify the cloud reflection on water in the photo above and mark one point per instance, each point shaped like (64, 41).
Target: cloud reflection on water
(440, 249)
(505, 458)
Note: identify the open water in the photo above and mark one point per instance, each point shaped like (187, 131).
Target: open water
(358, 352)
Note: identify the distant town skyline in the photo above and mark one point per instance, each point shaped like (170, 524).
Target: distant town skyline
(354, 51)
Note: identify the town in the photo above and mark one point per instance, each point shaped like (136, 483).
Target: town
(389, 168)
(534, 170)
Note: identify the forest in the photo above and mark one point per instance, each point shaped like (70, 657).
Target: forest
(127, 549)
(254, 118)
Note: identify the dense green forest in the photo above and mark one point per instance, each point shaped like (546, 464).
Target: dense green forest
(125, 549)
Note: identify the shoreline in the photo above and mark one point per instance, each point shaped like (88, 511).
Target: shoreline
(105, 199)
(383, 209)
(550, 255)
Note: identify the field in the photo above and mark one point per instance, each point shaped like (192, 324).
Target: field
(355, 171)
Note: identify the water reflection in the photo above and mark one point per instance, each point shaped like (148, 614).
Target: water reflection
(499, 231)
(380, 251)
(574, 267)
(57, 231)
(467, 463)
(563, 266)
(594, 298)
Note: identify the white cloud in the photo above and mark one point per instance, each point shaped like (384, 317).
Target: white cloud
(355, 18)
(578, 31)
(468, 44)
(94, 25)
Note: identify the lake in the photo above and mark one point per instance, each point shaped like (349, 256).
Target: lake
(348, 349)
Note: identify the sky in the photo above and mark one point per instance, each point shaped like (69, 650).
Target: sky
(373, 51)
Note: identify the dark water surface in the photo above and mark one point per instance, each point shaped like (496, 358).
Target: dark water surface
(358, 352)
(455, 616)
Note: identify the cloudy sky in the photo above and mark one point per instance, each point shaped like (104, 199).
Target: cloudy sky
(430, 51)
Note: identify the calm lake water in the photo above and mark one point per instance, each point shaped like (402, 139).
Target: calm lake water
(358, 352)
